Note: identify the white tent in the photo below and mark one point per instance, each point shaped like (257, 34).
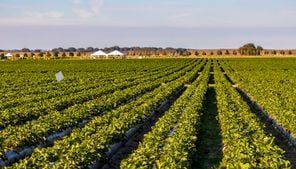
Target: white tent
(115, 53)
(99, 53)
(8, 55)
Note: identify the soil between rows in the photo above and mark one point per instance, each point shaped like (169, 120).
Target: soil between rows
(209, 144)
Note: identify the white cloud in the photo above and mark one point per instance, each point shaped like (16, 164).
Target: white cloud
(96, 6)
(27, 21)
(54, 14)
(50, 14)
(87, 9)
(77, 2)
(35, 18)
(82, 13)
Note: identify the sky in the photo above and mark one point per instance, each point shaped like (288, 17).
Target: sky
(48, 24)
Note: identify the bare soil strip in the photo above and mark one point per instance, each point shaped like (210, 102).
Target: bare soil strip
(209, 140)
(209, 145)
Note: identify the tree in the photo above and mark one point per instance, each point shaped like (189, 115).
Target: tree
(227, 52)
(78, 54)
(17, 55)
(80, 50)
(2, 56)
(71, 54)
(60, 49)
(72, 49)
(204, 53)
(196, 53)
(115, 48)
(56, 54)
(259, 50)
(31, 55)
(219, 52)
(212, 53)
(234, 52)
(290, 52)
(26, 50)
(40, 55)
(250, 49)
(48, 55)
(64, 55)
(90, 49)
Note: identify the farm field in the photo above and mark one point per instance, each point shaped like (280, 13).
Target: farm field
(148, 113)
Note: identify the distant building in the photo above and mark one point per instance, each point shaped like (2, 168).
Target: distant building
(102, 54)
(8, 56)
(99, 54)
(116, 53)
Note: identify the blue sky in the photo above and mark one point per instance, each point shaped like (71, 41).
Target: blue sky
(164, 23)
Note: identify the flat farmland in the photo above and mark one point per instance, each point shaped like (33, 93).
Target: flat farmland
(148, 113)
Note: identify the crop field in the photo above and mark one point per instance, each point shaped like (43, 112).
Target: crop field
(148, 113)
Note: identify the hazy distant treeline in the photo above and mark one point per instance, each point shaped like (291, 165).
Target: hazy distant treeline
(247, 49)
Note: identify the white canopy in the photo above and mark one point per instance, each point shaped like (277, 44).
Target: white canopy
(8, 55)
(115, 53)
(99, 53)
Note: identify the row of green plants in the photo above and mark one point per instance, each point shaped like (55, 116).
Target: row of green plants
(69, 86)
(17, 84)
(172, 139)
(245, 143)
(180, 147)
(14, 137)
(22, 114)
(86, 145)
(74, 82)
(270, 83)
(36, 131)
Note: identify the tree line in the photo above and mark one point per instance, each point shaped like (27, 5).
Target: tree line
(247, 49)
